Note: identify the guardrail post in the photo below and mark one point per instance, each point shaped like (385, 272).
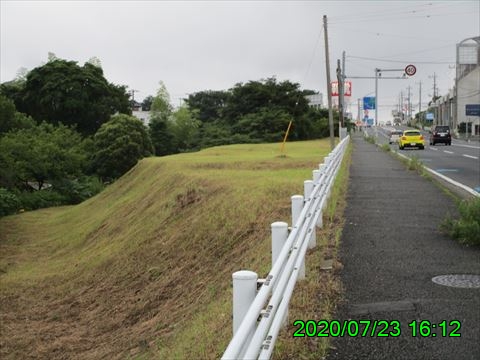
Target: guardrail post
(297, 206)
(244, 291)
(279, 237)
(316, 176)
(308, 188)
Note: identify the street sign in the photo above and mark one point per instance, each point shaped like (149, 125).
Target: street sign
(369, 103)
(410, 70)
(472, 110)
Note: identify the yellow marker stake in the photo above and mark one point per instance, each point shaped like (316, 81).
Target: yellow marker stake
(285, 138)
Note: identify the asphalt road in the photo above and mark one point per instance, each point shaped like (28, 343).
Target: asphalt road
(391, 248)
(460, 161)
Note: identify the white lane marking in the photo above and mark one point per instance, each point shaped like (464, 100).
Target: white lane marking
(432, 148)
(448, 152)
(456, 183)
(467, 146)
(470, 156)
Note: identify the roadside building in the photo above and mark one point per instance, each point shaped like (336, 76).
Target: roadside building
(467, 117)
(315, 100)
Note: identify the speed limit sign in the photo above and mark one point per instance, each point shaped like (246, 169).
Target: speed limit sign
(410, 70)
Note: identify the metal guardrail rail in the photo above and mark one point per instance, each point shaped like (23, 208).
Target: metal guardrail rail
(259, 316)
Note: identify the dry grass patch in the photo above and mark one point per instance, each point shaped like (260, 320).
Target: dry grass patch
(317, 296)
(146, 265)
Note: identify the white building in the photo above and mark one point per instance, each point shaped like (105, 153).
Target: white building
(144, 116)
(468, 84)
(315, 100)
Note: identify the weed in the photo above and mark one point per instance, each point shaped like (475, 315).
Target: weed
(370, 139)
(415, 164)
(385, 147)
(466, 229)
(154, 273)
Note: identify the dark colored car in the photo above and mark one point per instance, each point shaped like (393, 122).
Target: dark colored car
(440, 134)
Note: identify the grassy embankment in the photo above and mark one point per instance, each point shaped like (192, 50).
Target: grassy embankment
(143, 270)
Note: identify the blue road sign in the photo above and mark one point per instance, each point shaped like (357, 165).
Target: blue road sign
(472, 110)
(369, 103)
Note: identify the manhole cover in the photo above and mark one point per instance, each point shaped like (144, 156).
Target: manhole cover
(461, 281)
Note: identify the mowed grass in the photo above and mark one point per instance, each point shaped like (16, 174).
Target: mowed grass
(143, 270)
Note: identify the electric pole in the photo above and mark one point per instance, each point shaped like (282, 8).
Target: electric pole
(340, 96)
(420, 97)
(329, 87)
(409, 106)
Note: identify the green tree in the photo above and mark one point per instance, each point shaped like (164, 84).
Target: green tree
(185, 128)
(265, 125)
(147, 103)
(40, 154)
(10, 118)
(160, 125)
(63, 92)
(208, 104)
(253, 96)
(119, 144)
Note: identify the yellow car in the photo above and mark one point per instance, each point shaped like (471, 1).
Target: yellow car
(411, 138)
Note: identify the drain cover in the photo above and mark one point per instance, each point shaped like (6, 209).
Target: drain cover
(460, 281)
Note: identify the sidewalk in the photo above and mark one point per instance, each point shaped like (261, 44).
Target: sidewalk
(391, 248)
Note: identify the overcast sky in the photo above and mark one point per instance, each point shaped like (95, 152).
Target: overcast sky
(212, 45)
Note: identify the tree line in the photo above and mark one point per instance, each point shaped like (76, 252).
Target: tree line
(65, 130)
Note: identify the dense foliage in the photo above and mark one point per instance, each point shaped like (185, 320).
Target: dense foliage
(63, 92)
(64, 128)
(119, 144)
(257, 111)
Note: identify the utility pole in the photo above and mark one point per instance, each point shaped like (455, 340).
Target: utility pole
(329, 87)
(377, 74)
(409, 107)
(340, 96)
(420, 98)
(358, 110)
(343, 89)
(434, 87)
(401, 105)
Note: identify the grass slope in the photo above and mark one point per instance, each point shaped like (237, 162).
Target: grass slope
(143, 270)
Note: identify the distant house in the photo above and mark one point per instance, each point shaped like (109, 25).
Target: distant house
(315, 100)
(136, 106)
(144, 116)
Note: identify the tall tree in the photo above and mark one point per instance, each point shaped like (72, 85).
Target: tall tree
(161, 123)
(119, 144)
(208, 104)
(185, 129)
(63, 92)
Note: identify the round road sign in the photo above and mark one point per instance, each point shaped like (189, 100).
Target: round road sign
(410, 70)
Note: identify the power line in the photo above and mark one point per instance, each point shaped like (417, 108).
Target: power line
(401, 61)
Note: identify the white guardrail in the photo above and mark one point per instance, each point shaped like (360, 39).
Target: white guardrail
(256, 326)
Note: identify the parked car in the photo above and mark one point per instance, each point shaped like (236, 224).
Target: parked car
(395, 136)
(440, 134)
(411, 138)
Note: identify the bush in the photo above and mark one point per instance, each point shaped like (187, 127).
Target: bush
(41, 199)
(467, 228)
(78, 190)
(9, 202)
